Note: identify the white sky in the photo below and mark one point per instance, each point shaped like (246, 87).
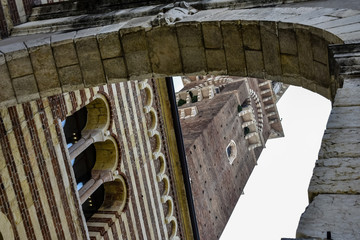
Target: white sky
(276, 193)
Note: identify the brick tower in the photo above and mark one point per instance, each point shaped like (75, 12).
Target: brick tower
(226, 123)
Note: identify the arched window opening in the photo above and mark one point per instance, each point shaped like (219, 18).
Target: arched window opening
(94, 202)
(1, 236)
(94, 156)
(83, 164)
(231, 151)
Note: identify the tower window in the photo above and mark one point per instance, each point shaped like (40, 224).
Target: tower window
(231, 151)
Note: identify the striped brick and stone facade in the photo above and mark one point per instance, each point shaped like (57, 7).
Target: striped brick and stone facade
(40, 69)
(38, 193)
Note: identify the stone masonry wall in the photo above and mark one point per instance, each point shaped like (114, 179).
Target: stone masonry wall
(39, 198)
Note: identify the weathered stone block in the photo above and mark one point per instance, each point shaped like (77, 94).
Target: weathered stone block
(254, 63)
(348, 95)
(335, 175)
(308, 84)
(189, 35)
(344, 117)
(138, 63)
(340, 143)
(25, 88)
(90, 61)
(17, 59)
(287, 39)
(136, 54)
(321, 74)
(270, 46)
(323, 91)
(7, 97)
(194, 60)
(44, 67)
(289, 64)
(115, 68)
(164, 51)
(319, 49)
(64, 49)
(212, 35)
(109, 45)
(70, 78)
(336, 213)
(304, 52)
(235, 56)
(251, 35)
(133, 41)
(216, 61)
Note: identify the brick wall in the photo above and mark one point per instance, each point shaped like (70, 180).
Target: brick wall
(38, 190)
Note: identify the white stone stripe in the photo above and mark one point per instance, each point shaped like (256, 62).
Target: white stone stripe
(127, 157)
(152, 166)
(124, 219)
(68, 104)
(21, 10)
(36, 171)
(141, 144)
(118, 229)
(63, 175)
(29, 201)
(133, 143)
(10, 192)
(158, 196)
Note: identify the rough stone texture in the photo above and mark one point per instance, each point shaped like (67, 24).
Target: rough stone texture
(64, 49)
(136, 53)
(270, 46)
(340, 143)
(164, 53)
(44, 67)
(90, 61)
(6, 97)
(70, 78)
(344, 117)
(191, 48)
(337, 213)
(350, 88)
(17, 59)
(25, 88)
(335, 175)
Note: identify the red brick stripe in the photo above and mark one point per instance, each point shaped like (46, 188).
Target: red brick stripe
(10, 163)
(28, 169)
(148, 157)
(4, 202)
(114, 232)
(73, 102)
(42, 167)
(118, 133)
(68, 170)
(56, 166)
(13, 12)
(83, 97)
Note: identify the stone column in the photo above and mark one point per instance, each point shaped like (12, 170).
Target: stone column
(335, 185)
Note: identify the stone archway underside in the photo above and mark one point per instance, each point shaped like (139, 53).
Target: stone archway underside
(283, 44)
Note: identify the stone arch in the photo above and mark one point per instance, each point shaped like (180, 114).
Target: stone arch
(293, 49)
(107, 155)
(98, 114)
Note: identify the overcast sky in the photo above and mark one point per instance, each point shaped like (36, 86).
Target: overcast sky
(276, 193)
